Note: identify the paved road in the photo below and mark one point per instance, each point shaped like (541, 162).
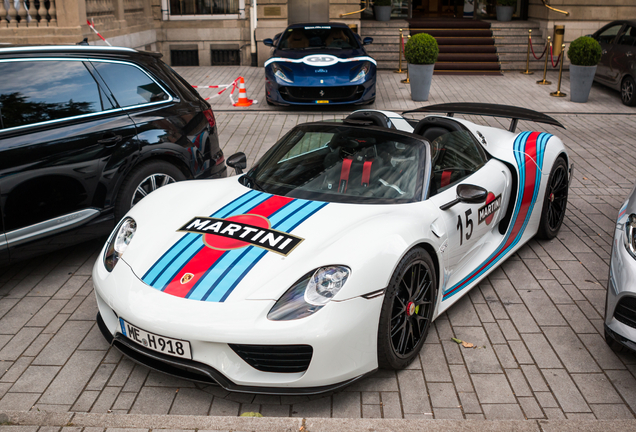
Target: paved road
(536, 321)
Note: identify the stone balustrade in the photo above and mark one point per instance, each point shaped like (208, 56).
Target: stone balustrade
(24, 13)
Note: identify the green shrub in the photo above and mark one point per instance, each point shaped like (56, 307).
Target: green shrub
(584, 51)
(507, 2)
(421, 49)
(382, 3)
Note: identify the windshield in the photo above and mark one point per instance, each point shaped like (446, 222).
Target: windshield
(314, 37)
(343, 164)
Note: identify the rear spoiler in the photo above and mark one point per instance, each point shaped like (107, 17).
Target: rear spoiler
(494, 110)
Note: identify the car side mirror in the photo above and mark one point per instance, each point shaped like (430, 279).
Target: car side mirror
(367, 40)
(238, 161)
(268, 42)
(469, 194)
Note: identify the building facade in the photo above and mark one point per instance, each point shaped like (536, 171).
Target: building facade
(227, 32)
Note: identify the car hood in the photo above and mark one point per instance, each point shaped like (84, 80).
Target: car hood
(299, 54)
(178, 251)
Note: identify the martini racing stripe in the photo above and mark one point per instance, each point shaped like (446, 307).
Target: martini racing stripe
(219, 268)
(199, 252)
(253, 255)
(185, 241)
(230, 267)
(529, 149)
(161, 272)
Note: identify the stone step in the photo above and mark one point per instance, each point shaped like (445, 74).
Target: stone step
(536, 66)
(538, 47)
(383, 32)
(379, 40)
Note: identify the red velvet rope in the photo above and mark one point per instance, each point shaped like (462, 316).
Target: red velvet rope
(532, 49)
(552, 58)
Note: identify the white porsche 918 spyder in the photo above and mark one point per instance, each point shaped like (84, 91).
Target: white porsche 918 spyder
(331, 256)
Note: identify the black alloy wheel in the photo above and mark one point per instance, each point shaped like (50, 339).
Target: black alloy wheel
(407, 310)
(555, 201)
(628, 91)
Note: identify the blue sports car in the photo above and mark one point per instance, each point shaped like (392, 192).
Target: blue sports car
(319, 64)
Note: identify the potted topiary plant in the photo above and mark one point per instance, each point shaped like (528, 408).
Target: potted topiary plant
(505, 8)
(421, 52)
(584, 54)
(382, 10)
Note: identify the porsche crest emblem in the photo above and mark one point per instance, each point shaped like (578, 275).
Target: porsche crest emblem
(186, 278)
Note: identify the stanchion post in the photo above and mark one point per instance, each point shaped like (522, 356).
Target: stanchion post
(528, 71)
(559, 93)
(399, 70)
(545, 65)
(406, 81)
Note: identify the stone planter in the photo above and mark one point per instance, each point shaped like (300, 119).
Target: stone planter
(504, 13)
(420, 76)
(581, 78)
(382, 13)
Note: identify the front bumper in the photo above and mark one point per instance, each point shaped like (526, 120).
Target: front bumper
(621, 294)
(343, 336)
(308, 93)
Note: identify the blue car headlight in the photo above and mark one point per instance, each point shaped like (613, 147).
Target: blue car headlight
(118, 242)
(362, 72)
(310, 293)
(278, 73)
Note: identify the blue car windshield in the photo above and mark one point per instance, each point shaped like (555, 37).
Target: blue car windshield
(316, 37)
(339, 163)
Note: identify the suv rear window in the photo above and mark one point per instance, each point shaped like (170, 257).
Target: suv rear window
(129, 84)
(35, 91)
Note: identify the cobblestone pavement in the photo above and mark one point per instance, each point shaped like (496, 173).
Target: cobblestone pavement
(536, 320)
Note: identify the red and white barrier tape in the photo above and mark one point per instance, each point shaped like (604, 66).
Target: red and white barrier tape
(224, 87)
(92, 27)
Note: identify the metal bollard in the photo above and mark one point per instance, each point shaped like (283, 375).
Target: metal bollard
(559, 93)
(528, 71)
(399, 70)
(406, 81)
(545, 65)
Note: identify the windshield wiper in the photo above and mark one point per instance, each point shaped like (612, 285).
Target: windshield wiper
(252, 183)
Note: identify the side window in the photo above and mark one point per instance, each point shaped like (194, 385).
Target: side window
(608, 35)
(129, 84)
(628, 37)
(454, 156)
(35, 91)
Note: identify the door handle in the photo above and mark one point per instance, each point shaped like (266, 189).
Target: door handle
(110, 140)
(604, 51)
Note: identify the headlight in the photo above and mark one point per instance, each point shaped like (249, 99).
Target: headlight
(118, 242)
(630, 235)
(278, 73)
(310, 293)
(362, 73)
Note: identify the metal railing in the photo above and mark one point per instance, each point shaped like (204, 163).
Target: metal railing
(546, 4)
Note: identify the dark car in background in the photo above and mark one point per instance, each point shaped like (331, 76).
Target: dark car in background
(617, 68)
(85, 133)
(322, 63)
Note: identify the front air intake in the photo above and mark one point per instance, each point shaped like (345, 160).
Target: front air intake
(276, 358)
(625, 311)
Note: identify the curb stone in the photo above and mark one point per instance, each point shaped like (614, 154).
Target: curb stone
(285, 424)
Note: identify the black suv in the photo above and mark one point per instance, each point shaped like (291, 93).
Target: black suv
(85, 133)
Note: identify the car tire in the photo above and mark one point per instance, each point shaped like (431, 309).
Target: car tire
(407, 310)
(628, 91)
(555, 201)
(144, 179)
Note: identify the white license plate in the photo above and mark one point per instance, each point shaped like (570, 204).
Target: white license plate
(162, 344)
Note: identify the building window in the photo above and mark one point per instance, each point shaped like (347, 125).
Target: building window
(202, 9)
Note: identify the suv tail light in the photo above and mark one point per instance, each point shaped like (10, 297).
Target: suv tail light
(210, 116)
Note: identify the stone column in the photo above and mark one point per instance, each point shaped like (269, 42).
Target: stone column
(71, 13)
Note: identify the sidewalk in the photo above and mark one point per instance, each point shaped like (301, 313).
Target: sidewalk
(512, 88)
(539, 316)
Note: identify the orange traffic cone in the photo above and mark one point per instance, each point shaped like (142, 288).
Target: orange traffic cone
(243, 101)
